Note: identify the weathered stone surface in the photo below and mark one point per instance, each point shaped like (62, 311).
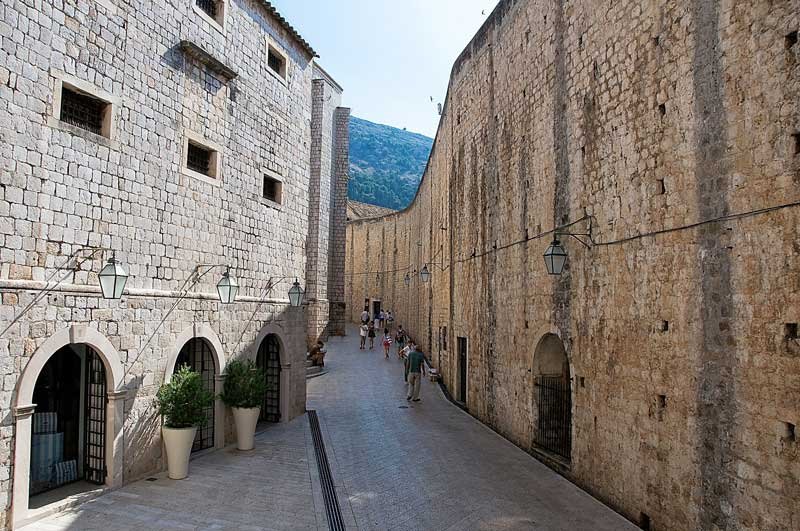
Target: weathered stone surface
(652, 125)
(63, 188)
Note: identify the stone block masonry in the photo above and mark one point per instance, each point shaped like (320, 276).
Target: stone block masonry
(328, 200)
(668, 132)
(231, 83)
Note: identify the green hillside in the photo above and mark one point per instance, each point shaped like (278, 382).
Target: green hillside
(386, 163)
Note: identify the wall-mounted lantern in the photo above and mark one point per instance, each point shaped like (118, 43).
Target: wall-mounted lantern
(555, 257)
(227, 288)
(425, 275)
(112, 279)
(296, 294)
(407, 280)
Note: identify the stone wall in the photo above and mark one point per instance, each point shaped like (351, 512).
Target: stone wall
(336, 252)
(63, 189)
(325, 242)
(668, 132)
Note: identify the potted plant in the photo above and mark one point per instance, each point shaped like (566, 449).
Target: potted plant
(181, 403)
(244, 389)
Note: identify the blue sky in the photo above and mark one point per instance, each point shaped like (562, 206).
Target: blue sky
(390, 56)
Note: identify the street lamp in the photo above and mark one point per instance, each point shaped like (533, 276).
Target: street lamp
(425, 275)
(227, 288)
(112, 279)
(555, 257)
(296, 294)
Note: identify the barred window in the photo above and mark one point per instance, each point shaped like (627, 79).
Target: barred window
(82, 110)
(198, 159)
(276, 61)
(209, 6)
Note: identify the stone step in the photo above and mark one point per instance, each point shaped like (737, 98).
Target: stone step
(312, 372)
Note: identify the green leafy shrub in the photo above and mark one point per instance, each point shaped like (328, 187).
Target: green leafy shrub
(245, 384)
(183, 400)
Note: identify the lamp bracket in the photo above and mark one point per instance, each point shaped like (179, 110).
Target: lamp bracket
(577, 236)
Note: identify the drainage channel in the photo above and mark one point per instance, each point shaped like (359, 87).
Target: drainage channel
(332, 509)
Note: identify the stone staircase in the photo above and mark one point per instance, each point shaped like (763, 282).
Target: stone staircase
(312, 371)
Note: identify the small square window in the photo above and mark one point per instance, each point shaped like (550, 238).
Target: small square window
(276, 61)
(85, 111)
(214, 9)
(200, 158)
(272, 189)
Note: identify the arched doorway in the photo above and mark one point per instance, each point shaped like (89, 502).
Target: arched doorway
(69, 420)
(552, 397)
(269, 360)
(68, 443)
(198, 355)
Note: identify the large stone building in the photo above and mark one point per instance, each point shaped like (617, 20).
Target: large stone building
(659, 143)
(185, 139)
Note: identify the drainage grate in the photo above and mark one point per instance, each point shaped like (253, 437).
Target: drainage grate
(332, 509)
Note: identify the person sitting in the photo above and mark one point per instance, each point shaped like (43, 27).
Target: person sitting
(317, 354)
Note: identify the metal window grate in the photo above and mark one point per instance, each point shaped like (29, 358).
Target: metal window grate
(196, 353)
(554, 430)
(269, 359)
(275, 62)
(82, 111)
(209, 6)
(198, 159)
(95, 434)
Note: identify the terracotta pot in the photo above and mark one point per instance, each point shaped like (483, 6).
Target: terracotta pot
(179, 445)
(246, 420)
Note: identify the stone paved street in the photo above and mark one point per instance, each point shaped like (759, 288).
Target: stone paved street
(432, 466)
(396, 466)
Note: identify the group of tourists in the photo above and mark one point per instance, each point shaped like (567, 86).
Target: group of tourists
(413, 359)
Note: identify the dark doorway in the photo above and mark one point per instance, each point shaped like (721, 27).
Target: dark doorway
(553, 396)
(269, 360)
(196, 353)
(68, 443)
(376, 309)
(462, 369)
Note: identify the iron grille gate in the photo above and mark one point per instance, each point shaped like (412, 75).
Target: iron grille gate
(196, 353)
(94, 443)
(554, 430)
(269, 359)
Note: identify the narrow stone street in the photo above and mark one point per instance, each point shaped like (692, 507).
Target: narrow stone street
(396, 465)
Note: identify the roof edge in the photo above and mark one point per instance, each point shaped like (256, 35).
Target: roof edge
(288, 27)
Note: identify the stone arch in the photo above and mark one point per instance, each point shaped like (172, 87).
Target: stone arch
(550, 357)
(552, 397)
(286, 380)
(24, 409)
(204, 331)
(196, 330)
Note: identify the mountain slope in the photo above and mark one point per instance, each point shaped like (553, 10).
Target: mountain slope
(386, 163)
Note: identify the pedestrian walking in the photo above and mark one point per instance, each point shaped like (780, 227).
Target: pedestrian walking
(387, 342)
(416, 370)
(371, 334)
(364, 316)
(381, 318)
(400, 338)
(389, 319)
(363, 332)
